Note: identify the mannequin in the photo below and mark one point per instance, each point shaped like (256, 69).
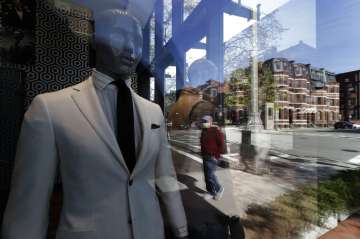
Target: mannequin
(72, 129)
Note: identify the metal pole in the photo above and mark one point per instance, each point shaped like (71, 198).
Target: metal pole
(255, 123)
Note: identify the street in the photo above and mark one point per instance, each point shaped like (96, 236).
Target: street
(322, 144)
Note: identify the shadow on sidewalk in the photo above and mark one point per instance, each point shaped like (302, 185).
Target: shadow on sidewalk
(205, 220)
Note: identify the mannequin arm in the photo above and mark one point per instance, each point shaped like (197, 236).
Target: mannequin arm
(26, 214)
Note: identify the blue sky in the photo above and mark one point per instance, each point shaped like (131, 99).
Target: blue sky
(329, 26)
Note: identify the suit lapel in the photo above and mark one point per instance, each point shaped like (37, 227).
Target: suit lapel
(87, 101)
(143, 114)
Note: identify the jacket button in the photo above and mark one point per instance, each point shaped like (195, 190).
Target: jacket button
(130, 182)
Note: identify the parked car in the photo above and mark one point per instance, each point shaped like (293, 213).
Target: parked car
(343, 125)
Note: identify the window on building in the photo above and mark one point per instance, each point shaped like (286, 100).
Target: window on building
(213, 92)
(298, 71)
(278, 66)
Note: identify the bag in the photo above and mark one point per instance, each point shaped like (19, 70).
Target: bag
(209, 231)
(236, 228)
(230, 228)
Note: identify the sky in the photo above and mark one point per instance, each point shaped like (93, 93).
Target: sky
(329, 26)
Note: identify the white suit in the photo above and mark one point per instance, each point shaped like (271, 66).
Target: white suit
(68, 129)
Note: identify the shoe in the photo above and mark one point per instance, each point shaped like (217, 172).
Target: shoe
(207, 196)
(219, 194)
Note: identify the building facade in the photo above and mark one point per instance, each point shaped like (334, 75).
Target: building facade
(349, 95)
(304, 96)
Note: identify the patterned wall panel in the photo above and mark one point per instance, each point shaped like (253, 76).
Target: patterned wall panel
(62, 34)
(62, 46)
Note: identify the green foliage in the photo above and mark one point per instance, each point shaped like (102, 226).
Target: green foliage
(230, 101)
(296, 211)
(266, 84)
(240, 79)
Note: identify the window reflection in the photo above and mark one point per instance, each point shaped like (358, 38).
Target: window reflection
(294, 176)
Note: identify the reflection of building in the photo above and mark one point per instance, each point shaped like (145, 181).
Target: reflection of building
(304, 95)
(349, 95)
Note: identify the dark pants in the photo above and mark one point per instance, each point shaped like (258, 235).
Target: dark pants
(212, 184)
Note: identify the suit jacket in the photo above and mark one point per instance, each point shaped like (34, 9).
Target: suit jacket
(68, 130)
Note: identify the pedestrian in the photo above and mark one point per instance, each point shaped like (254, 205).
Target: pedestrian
(212, 145)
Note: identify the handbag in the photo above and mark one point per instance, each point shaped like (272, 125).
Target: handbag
(230, 228)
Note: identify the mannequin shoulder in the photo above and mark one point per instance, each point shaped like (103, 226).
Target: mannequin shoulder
(60, 96)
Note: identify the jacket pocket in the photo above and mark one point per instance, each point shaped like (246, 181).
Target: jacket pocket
(74, 234)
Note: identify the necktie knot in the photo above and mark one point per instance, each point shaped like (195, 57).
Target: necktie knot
(120, 84)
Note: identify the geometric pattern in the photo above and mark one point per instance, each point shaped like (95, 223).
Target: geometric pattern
(62, 48)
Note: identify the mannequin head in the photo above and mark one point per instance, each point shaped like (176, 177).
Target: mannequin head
(118, 43)
(19, 4)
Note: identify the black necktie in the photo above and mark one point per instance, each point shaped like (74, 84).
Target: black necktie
(125, 124)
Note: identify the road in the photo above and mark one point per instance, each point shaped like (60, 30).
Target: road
(324, 144)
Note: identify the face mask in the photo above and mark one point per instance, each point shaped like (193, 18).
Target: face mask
(206, 125)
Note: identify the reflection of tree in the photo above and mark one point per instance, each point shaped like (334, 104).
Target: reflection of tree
(240, 81)
(238, 49)
(189, 5)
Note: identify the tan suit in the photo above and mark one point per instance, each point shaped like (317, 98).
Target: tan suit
(68, 129)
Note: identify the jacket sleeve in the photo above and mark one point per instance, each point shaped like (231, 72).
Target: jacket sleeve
(26, 213)
(166, 182)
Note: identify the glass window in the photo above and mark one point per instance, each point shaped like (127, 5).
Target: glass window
(195, 134)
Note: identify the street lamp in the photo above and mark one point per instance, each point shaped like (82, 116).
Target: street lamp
(254, 122)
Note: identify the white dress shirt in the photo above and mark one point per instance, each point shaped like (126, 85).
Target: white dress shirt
(107, 94)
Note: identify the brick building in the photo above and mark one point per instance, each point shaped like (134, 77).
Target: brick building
(305, 96)
(349, 95)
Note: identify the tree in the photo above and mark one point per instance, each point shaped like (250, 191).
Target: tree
(238, 49)
(267, 84)
(240, 81)
(189, 5)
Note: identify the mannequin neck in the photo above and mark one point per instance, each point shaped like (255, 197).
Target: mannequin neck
(112, 74)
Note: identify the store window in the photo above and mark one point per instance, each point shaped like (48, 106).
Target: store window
(192, 146)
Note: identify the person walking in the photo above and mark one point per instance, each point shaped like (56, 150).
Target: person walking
(212, 146)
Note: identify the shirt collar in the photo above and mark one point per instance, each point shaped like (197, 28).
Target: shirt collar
(102, 80)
